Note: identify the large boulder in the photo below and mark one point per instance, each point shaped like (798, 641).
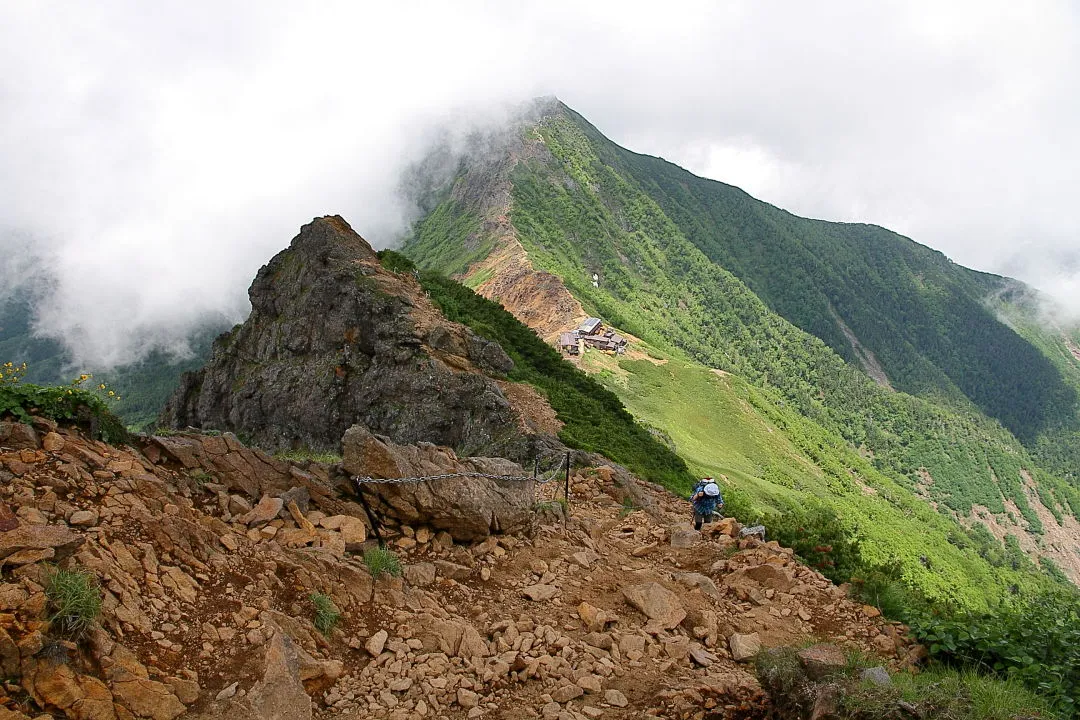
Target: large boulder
(468, 508)
(335, 339)
(656, 602)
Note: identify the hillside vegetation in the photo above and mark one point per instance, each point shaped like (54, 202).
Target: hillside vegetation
(576, 215)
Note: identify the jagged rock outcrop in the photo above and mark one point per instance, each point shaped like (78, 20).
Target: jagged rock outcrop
(334, 339)
(468, 508)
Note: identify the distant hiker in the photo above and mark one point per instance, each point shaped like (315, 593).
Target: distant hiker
(706, 499)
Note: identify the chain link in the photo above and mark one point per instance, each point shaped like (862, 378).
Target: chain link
(540, 480)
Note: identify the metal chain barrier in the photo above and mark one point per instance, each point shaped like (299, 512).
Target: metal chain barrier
(539, 479)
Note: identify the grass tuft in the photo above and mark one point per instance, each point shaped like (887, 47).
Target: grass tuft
(327, 615)
(74, 600)
(382, 561)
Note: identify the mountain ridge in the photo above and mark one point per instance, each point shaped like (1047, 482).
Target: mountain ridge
(576, 214)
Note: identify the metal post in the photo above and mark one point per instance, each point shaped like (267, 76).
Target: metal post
(370, 514)
(566, 490)
(536, 466)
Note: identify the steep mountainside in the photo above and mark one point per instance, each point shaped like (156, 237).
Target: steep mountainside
(575, 211)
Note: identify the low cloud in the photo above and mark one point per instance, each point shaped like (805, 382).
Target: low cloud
(155, 157)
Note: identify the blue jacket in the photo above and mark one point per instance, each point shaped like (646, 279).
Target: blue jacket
(705, 504)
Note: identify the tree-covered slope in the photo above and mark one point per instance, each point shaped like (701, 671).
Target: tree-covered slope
(924, 318)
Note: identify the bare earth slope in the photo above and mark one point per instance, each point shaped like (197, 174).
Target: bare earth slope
(207, 553)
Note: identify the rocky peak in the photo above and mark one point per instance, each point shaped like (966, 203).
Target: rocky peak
(333, 340)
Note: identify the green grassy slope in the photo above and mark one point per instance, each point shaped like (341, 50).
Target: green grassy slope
(774, 460)
(924, 317)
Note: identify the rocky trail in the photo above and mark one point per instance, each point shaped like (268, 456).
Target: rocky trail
(208, 552)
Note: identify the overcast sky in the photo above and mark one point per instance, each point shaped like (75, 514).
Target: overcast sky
(154, 155)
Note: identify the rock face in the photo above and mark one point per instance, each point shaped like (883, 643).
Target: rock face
(334, 339)
(467, 508)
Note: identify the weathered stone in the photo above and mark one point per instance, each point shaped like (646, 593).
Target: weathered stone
(420, 574)
(585, 558)
(83, 518)
(822, 660)
(616, 698)
(17, 435)
(566, 693)
(595, 618)
(876, 675)
(266, 510)
(280, 695)
(538, 593)
(467, 698)
(58, 538)
(376, 643)
(395, 364)
(744, 646)
(590, 684)
(704, 583)
(682, 538)
(52, 442)
(701, 656)
(657, 603)
(451, 570)
(467, 508)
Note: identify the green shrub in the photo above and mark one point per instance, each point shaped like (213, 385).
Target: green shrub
(327, 615)
(74, 599)
(1033, 641)
(396, 262)
(382, 561)
(69, 404)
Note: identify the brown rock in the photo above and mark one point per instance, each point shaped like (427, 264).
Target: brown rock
(353, 532)
(682, 538)
(468, 508)
(539, 593)
(822, 660)
(83, 518)
(744, 647)
(59, 538)
(697, 580)
(376, 643)
(566, 693)
(595, 619)
(419, 574)
(17, 435)
(616, 698)
(657, 603)
(266, 510)
(467, 698)
(280, 695)
(52, 442)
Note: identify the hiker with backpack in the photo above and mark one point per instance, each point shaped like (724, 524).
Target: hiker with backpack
(706, 500)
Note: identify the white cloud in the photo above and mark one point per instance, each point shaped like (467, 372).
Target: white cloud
(159, 154)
